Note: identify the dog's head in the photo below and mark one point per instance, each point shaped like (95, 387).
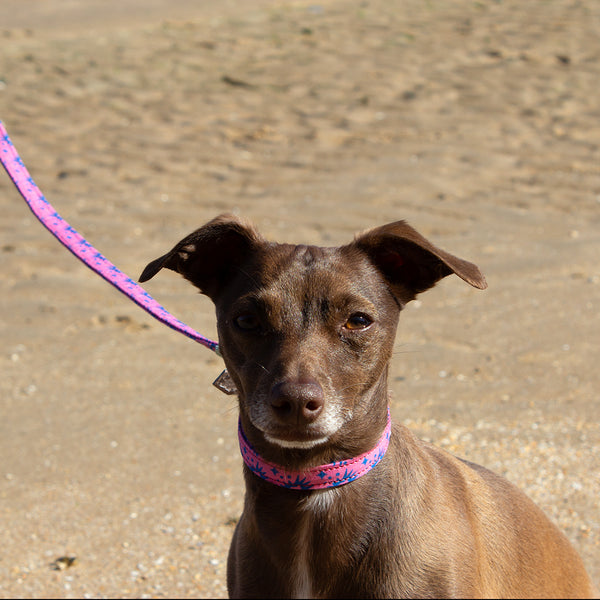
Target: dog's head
(307, 332)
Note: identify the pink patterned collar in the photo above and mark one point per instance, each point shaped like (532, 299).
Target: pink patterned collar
(318, 478)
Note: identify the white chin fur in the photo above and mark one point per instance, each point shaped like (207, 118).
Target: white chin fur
(297, 445)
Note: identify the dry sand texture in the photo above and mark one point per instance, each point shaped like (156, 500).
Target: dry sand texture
(479, 122)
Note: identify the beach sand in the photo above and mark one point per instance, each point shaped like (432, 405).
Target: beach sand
(478, 122)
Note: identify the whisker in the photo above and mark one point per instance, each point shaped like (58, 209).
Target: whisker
(348, 387)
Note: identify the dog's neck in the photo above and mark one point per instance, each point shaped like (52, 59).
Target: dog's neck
(316, 478)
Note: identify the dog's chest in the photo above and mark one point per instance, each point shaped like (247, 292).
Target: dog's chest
(302, 582)
(314, 508)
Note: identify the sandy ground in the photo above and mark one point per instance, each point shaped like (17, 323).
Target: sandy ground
(476, 121)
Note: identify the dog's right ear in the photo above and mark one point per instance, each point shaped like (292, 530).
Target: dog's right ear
(208, 256)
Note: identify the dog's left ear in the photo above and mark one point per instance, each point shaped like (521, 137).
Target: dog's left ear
(208, 256)
(410, 263)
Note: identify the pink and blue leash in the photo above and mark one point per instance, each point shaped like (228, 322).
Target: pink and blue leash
(322, 477)
(81, 248)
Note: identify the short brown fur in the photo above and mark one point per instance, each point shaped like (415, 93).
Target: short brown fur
(307, 334)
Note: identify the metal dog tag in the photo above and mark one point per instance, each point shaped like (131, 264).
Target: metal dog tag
(224, 383)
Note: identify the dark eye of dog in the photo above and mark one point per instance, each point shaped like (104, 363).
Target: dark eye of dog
(247, 322)
(357, 321)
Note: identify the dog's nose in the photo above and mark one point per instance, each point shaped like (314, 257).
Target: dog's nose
(297, 402)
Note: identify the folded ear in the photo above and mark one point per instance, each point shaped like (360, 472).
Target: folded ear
(208, 256)
(410, 263)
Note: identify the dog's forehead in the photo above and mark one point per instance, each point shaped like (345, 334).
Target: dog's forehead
(312, 270)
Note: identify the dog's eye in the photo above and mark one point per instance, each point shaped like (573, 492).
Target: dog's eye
(247, 322)
(357, 321)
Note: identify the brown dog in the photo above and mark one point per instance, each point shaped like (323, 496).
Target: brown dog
(307, 334)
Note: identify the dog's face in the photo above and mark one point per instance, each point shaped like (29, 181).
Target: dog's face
(307, 332)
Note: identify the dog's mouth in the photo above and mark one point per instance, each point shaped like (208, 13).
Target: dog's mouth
(295, 420)
(299, 444)
(298, 436)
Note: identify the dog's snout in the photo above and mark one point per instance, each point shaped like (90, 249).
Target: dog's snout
(297, 402)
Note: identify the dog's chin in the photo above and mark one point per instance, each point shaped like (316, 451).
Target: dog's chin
(298, 436)
(295, 444)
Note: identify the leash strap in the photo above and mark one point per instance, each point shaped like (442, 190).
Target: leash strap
(79, 246)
